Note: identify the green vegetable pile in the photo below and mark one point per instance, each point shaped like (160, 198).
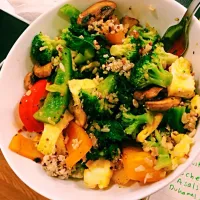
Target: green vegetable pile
(85, 72)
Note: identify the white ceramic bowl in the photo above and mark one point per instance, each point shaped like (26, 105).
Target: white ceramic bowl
(18, 63)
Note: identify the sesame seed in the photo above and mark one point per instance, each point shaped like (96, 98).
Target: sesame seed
(94, 71)
(122, 66)
(151, 8)
(106, 56)
(96, 126)
(76, 143)
(149, 162)
(105, 129)
(106, 27)
(81, 36)
(59, 48)
(140, 168)
(28, 93)
(62, 67)
(148, 176)
(94, 140)
(43, 48)
(163, 174)
(118, 116)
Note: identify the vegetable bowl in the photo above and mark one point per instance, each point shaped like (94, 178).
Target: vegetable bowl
(103, 102)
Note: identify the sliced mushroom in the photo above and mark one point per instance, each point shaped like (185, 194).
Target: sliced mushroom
(79, 114)
(97, 11)
(28, 81)
(130, 21)
(42, 71)
(147, 94)
(164, 104)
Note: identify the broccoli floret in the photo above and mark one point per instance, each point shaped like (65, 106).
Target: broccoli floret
(95, 101)
(109, 134)
(147, 73)
(129, 49)
(76, 85)
(160, 57)
(108, 130)
(108, 152)
(43, 48)
(146, 35)
(42, 56)
(164, 159)
(134, 122)
(173, 118)
(124, 89)
(108, 85)
(93, 106)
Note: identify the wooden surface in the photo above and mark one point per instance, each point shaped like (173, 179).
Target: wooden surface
(11, 187)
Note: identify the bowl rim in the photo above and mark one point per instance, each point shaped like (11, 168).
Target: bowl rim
(44, 192)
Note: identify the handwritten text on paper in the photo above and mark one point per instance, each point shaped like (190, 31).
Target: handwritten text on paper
(185, 187)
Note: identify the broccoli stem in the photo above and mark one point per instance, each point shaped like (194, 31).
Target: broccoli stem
(128, 117)
(132, 128)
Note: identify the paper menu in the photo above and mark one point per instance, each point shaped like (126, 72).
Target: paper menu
(185, 187)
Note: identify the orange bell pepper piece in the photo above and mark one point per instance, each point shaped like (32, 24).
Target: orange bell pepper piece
(119, 177)
(77, 145)
(139, 166)
(25, 147)
(116, 38)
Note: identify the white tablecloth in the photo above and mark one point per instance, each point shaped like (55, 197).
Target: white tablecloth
(28, 9)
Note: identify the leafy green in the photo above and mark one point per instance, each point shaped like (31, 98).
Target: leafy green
(76, 43)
